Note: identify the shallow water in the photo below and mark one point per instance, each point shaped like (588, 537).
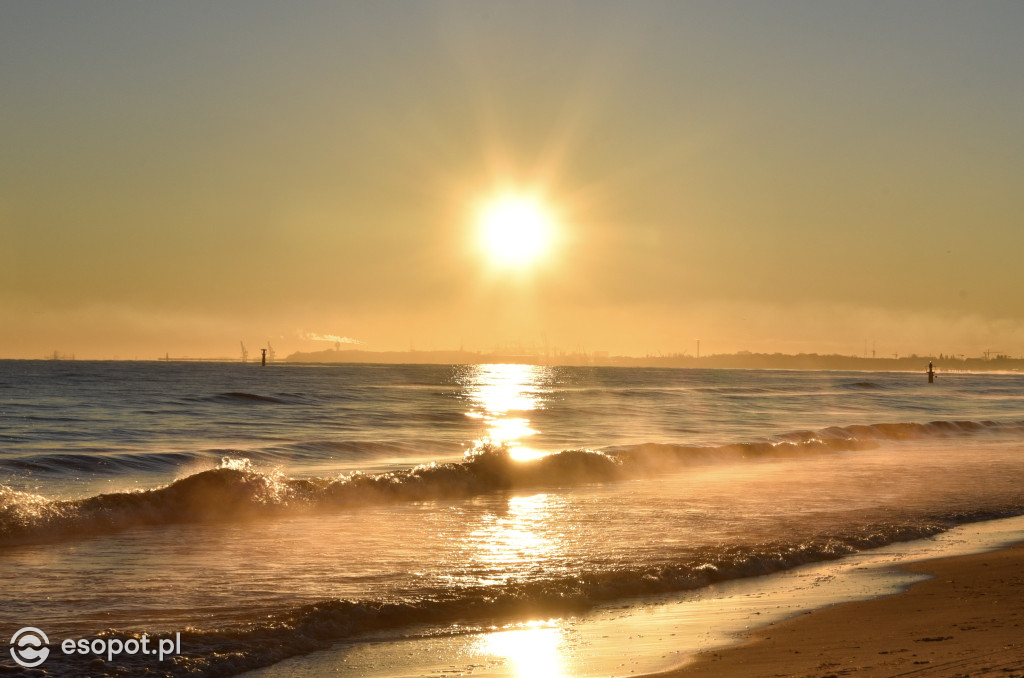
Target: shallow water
(649, 634)
(265, 513)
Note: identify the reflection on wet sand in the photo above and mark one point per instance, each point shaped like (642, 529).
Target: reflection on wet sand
(529, 650)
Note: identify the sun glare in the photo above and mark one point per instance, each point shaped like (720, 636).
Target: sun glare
(515, 231)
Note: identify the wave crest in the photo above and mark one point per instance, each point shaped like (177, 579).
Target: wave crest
(236, 490)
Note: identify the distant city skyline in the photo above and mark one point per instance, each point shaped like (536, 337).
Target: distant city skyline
(987, 360)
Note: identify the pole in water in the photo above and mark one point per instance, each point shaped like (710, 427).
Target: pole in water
(931, 374)
(264, 362)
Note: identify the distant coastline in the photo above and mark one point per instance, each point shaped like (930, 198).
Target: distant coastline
(742, 360)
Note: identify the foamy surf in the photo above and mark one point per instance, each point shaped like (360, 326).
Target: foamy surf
(236, 490)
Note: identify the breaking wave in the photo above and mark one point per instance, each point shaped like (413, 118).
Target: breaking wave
(236, 490)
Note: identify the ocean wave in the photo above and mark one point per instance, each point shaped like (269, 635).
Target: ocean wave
(236, 396)
(863, 385)
(265, 641)
(237, 490)
(101, 462)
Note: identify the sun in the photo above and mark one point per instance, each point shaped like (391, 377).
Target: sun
(515, 231)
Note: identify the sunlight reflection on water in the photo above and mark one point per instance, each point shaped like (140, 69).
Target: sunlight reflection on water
(519, 536)
(503, 396)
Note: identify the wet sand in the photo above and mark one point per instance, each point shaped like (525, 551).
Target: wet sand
(967, 620)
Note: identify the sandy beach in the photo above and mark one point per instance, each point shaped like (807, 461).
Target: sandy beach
(964, 621)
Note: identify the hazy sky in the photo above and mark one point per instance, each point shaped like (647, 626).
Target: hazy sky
(177, 177)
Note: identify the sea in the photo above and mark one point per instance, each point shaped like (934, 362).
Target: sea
(237, 516)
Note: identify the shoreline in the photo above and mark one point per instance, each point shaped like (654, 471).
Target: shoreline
(703, 632)
(966, 618)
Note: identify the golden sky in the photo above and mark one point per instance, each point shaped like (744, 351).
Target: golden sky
(770, 176)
